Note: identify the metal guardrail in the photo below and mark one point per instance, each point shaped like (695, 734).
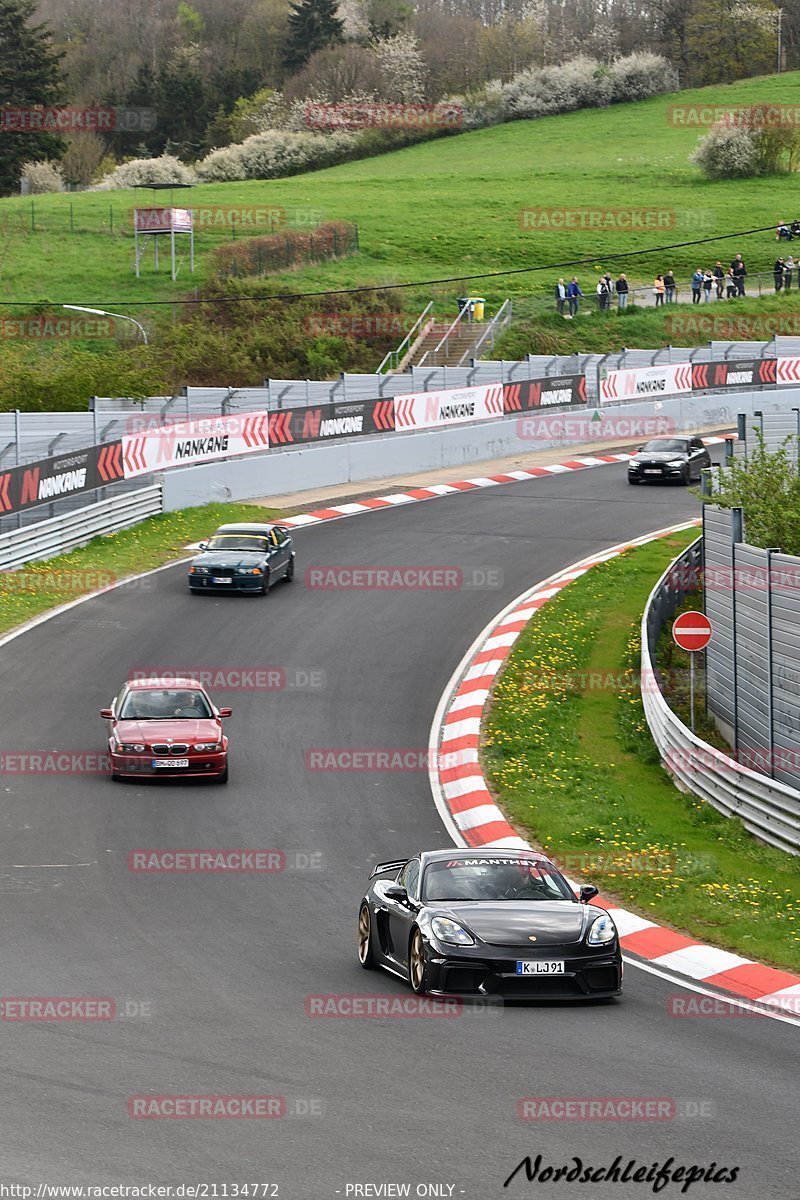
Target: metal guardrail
(59, 534)
(769, 810)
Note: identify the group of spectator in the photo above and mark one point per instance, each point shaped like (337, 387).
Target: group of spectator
(783, 271)
(719, 281)
(786, 232)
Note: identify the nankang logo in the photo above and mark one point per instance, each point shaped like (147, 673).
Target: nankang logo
(645, 386)
(196, 447)
(338, 426)
(455, 412)
(57, 485)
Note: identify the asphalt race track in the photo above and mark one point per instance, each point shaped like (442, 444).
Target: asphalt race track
(226, 962)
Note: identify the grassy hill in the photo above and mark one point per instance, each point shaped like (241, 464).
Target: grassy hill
(451, 207)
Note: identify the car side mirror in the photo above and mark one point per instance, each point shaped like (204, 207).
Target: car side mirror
(588, 892)
(202, 546)
(639, 449)
(106, 714)
(226, 712)
(396, 891)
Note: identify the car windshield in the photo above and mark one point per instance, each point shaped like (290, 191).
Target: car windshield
(493, 879)
(237, 541)
(666, 446)
(158, 704)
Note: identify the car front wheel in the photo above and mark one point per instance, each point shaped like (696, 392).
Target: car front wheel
(290, 570)
(365, 938)
(417, 965)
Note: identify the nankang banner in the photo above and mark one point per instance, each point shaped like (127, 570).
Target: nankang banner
(734, 372)
(643, 383)
(53, 478)
(195, 441)
(327, 422)
(551, 392)
(426, 410)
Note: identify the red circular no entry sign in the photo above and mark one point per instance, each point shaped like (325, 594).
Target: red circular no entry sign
(692, 631)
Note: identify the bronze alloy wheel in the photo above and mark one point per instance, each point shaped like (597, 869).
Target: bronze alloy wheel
(364, 938)
(417, 972)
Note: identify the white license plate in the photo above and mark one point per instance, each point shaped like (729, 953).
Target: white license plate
(221, 579)
(541, 967)
(652, 471)
(170, 762)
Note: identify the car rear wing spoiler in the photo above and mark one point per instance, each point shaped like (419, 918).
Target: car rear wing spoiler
(382, 868)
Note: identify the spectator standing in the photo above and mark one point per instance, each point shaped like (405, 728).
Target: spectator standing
(708, 280)
(777, 273)
(574, 294)
(788, 268)
(731, 285)
(560, 291)
(795, 229)
(622, 292)
(669, 284)
(697, 283)
(739, 272)
(659, 289)
(604, 292)
(719, 275)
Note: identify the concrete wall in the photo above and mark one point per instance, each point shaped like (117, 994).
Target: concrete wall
(354, 460)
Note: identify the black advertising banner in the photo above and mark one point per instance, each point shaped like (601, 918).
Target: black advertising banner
(553, 391)
(66, 475)
(734, 372)
(327, 422)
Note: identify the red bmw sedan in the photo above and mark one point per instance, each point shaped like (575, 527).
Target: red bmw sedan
(167, 728)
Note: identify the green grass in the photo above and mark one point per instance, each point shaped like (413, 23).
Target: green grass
(37, 587)
(568, 753)
(442, 208)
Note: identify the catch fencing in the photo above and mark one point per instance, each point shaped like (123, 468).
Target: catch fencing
(768, 806)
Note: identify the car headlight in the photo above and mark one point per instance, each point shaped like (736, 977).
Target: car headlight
(676, 462)
(208, 747)
(198, 570)
(130, 747)
(602, 932)
(250, 570)
(450, 931)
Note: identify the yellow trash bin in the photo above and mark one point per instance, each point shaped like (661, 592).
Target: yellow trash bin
(477, 303)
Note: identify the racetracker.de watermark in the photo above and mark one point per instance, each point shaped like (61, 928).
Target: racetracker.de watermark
(403, 578)
(54, 762)
(235, 679)
(753, 116)
(355, 1006)
(609, 219)
(380, 758)
(380, 115)
(579, 428)
(614, 1108)
(58, 328)
(31, 582)
(733, 327)
(216, 860)
(75, 119)
(688, 1006)
(72, 1008)
(736, 578)
(366, 327)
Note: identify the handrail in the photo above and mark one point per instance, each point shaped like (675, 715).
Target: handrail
(462, 312)
(396, 354)
(500, 318)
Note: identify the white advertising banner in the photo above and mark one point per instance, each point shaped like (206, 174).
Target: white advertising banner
(425, 410)
(639, 383)
(194, 441)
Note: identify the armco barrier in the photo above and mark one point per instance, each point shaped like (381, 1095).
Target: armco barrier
(769, 810)
(60, 534)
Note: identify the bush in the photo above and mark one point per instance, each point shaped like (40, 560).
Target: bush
(544, 91)
(727, 151)
(275, 154)
(640, 75)
(138, 171)
(279, 251)
(42, 177)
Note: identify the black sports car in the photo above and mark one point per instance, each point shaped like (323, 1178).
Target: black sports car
(243, 558)
(675, 459)
(488, 923)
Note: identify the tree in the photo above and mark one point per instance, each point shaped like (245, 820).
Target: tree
(29, 75)
(313, 25)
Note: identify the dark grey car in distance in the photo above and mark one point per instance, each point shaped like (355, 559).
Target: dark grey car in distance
(674, 459)
(245, 557)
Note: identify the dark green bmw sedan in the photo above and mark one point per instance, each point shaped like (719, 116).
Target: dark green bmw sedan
(243, 558)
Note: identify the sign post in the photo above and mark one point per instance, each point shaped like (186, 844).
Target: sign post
(692, 632)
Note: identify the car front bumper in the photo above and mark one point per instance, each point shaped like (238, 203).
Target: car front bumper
(201, 766)
(589, 975)
(238, 583)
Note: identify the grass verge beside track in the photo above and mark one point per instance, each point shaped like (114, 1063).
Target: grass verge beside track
(569, 755)
(40, 586)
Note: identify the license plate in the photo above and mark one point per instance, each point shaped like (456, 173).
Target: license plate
(170, 762)
(541, 967)
(220, 579)
(652, 471)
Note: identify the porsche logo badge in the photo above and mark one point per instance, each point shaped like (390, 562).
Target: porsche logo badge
(532, 937)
